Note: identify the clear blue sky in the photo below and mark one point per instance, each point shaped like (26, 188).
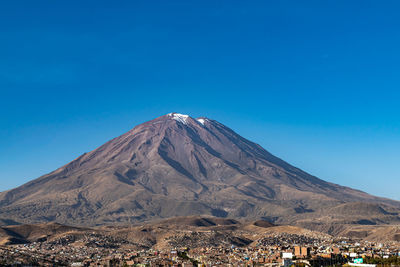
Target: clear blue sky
(316, 83)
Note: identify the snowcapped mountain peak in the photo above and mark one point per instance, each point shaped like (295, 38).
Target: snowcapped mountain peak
(166, 168)
(202, 120)
(179, 117)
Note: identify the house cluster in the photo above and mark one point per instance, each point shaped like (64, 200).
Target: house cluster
(274, 250)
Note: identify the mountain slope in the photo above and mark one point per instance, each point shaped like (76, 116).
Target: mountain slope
(177, 166)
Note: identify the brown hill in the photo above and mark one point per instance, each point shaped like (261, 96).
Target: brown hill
(33, 232)
(263, 223)
(191, 231)
(176, 165)
(197, 221)
(184, 231)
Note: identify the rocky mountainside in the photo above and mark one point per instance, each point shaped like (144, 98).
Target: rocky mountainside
(176, 165)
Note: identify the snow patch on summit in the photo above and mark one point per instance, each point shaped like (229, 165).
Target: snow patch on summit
(179, 117)
(202, 121)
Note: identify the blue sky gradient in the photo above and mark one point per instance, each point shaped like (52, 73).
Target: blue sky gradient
(314, 82)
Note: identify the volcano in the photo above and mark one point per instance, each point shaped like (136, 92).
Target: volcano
(176, 165)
